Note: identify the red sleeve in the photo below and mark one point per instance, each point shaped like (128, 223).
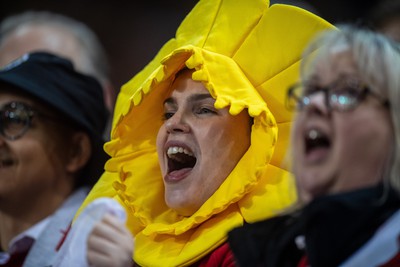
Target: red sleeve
(222, 257)
(394, 262)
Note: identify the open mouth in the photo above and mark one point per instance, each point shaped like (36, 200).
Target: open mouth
(316, 139)
(180, 158)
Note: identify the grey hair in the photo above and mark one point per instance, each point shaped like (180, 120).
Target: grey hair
(92, 51)
(377, 59)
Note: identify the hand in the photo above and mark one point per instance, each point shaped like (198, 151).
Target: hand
(110, 244)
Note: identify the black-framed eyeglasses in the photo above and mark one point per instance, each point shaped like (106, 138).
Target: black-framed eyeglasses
(16, 119)
(341, 96)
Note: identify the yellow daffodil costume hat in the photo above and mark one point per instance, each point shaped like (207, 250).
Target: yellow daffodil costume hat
(246, 54)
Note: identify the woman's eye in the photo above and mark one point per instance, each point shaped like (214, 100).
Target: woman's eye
(205, 110)
(345, 97)
(167, 115)
(346, 93)
(350, 92)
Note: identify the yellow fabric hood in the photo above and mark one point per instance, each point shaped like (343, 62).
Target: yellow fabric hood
(246, 54)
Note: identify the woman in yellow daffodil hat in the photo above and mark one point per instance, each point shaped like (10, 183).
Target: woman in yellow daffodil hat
(245, 54)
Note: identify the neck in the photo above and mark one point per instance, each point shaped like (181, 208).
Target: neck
(9, 228)
(18, 217)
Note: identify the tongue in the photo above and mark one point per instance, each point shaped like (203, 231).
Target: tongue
(178, 175)
(317, 154)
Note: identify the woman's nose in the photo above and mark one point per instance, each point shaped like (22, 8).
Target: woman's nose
(177, 124)
(317, 102)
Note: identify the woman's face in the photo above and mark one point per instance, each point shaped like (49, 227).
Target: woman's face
(337, 151)
(198, 145)
(31, 167)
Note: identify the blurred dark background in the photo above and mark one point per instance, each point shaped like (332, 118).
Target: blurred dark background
(132, 31)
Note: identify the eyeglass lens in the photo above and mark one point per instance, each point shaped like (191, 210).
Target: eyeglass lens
(340, 97)
(15, 119)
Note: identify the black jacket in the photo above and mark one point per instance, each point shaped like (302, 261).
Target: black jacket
(328, 230)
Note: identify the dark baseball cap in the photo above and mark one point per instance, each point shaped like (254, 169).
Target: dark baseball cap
(54, 81)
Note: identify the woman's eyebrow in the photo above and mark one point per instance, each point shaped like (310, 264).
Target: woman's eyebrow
(169, 100)
(192, 98)
(199, 97)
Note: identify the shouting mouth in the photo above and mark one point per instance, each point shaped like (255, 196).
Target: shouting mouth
(180, 161)
(317, 144)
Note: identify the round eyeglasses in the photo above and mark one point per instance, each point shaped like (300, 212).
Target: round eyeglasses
(340, 96)
(15, 119)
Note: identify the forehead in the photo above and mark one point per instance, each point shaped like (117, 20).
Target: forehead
(333, 66)
(185, 85)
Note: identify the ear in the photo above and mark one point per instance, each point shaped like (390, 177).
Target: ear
(109, 95)
(79, 152)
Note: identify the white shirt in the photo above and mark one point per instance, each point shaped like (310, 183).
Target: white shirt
(32, 232)
(36, 230)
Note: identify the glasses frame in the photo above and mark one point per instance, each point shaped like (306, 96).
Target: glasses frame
(358, 90)
(30, 112)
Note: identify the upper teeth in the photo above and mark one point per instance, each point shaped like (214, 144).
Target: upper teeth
(313, 134)
(175, 150)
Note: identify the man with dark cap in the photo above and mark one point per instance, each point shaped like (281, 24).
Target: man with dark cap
(51, 124)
